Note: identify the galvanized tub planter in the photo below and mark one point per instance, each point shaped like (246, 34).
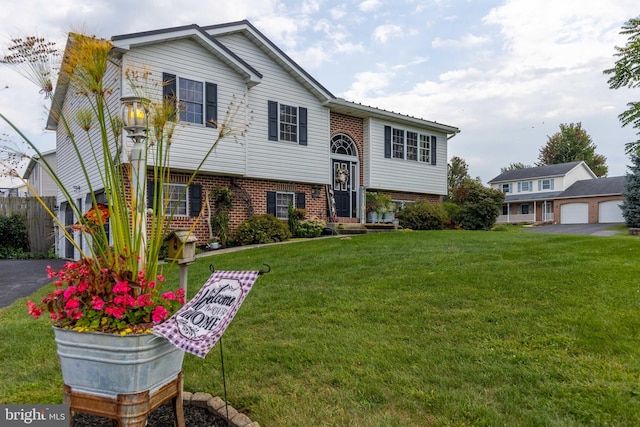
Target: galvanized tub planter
(111, 364)
(120, 377)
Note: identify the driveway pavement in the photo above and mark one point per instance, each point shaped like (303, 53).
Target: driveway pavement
(590, 229)
(21, 278)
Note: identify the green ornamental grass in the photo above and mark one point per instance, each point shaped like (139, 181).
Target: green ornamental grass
(407, 329)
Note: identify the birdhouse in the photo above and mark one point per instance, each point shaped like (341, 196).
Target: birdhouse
(182, 245)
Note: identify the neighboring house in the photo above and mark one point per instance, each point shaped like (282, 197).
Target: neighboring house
(566, 193)
(39, 180)
(302, 143)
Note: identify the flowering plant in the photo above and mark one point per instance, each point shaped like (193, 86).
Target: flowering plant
(115, 285)
(107, 300)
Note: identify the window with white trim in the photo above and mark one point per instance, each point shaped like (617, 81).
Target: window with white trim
(190, 100)
(409, 145)
(283, 200)
(287, 123)
(425, 150)
(506, 188)
(175, 199)
(545, 184)
(196, 101)
(398, 143)
(525, 186)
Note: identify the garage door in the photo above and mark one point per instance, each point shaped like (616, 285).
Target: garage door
(574, 213)
(610, 211)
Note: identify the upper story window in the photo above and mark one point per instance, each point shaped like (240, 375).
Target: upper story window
(409, 145)
(545, 184)
(425, 150)
(525, 186)
(287, 123)
(197, 101)
(190, 99)
(506, 188)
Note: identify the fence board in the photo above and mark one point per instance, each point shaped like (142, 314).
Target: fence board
(40, 226)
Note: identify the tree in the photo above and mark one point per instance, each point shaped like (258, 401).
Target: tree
(631, 204)
(514, 166)
(572, 144)
(457, 172)
(479, 206)
(626, 73)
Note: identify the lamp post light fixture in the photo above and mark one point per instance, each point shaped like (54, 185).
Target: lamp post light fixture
(134, 121)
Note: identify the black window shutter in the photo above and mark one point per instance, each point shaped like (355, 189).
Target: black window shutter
(195, 199)
(302, 121)
(300, 201)
(273, 121)
(271, 202)
(433, 150)
(169, 90)
(387, 142)
(211, 117)
(151, 189)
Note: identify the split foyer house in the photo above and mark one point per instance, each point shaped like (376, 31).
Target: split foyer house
(302, 146)
(566, 193)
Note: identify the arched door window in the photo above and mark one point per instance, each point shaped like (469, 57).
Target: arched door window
(345, 175)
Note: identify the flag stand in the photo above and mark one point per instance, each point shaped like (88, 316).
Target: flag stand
(224, 378)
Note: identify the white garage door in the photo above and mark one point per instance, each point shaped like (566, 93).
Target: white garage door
(610, 211)
(574, 213)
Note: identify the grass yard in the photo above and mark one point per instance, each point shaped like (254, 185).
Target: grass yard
(408, 329)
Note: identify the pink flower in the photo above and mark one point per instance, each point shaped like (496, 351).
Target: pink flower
(169, 295)
(144, 300)
(83, 286)
(121, 288)
(72, 303)
(160, 278)
(152, 284)
(97, 303)
(116, 312)
(69, 292)
(34, 310)
(125, 300)
(159, 314)
(50, 273)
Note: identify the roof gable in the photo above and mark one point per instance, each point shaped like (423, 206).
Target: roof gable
(274, 52)
(561, 169)
(194, 32)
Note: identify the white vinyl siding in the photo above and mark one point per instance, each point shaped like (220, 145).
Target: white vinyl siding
(188, 60)
(410, 176)
(287, 161)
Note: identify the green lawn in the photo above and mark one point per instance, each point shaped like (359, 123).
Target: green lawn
(408, 329)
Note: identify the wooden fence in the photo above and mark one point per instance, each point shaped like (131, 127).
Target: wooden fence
(39, 223)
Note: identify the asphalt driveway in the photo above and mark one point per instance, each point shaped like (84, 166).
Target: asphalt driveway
(589, 229)
(21, 278)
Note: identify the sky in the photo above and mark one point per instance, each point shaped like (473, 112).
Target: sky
(507, 73)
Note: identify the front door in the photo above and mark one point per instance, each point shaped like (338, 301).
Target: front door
(343, 192)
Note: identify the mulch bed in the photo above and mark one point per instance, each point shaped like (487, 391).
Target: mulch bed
(194, 416)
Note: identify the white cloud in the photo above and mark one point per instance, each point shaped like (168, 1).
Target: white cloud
(415, 61)
(312, 57)
(384, 32)
(368, 84)
(338, 12)
(369, 5)
(466, 41)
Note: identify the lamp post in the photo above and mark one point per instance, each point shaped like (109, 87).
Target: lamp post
(134, 120)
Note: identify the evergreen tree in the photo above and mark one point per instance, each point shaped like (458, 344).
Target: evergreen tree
(631, 204)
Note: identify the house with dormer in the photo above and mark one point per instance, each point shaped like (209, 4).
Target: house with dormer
(302, 145)
(566, 193)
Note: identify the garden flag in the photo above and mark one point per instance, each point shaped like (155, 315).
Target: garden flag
(200, 323)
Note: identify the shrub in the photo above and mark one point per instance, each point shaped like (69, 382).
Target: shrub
(453, 214)
(423, 215)
(309, 228)
(14, 237)
(262, 229)
(480, 206)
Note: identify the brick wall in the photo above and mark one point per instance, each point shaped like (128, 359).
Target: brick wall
(249, 197)
(353, 127)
